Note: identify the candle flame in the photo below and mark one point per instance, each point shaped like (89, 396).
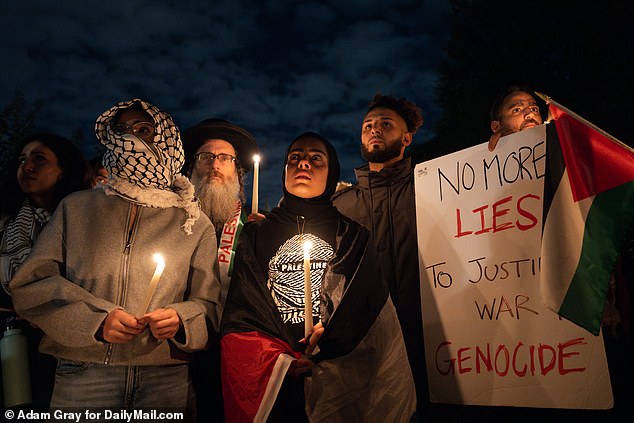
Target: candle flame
(158, 258)
(256, 158)
(307, 246)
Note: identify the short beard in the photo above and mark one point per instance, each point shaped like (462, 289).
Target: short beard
(217, 199)
(391, 151)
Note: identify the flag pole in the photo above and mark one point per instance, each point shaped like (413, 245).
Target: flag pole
(549, 100)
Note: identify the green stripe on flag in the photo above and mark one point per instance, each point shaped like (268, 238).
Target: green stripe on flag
(606, 226)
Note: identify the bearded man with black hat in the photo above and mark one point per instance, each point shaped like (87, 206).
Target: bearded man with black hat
(218, 156)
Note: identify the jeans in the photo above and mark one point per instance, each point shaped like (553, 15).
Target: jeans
(92, 386)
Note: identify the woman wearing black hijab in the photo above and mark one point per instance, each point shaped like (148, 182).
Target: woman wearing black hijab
(358, 370)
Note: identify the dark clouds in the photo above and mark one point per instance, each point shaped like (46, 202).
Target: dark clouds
(277, 68)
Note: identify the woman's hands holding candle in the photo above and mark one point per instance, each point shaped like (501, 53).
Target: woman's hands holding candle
(163, 322)
(313, 338)
(302, 365)
(120, 326)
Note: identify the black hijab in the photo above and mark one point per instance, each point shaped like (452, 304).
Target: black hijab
(294, 214)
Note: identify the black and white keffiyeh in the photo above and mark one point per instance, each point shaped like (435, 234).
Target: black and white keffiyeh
(147, 173)
(18, 238)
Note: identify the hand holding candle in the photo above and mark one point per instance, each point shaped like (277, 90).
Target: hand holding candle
(256, 176)
(160, 266)
(308, 295)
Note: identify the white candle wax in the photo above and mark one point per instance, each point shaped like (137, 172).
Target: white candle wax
(308, 296)
(160, 266)
(256, 177)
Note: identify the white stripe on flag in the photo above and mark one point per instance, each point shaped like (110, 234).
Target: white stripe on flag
(561, 243)
(273, 387)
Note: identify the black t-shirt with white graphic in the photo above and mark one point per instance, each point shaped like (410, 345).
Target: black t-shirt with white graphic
(278, 245)
(286, 277)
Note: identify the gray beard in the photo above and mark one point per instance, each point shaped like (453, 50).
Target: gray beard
(217, 200)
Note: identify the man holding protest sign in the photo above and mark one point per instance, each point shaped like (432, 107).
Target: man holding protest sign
(490, 339)
(382, 198)
(515, 110)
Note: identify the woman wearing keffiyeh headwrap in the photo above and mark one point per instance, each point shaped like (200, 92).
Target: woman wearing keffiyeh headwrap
(119, 343)
(144, 156)
(46, 168)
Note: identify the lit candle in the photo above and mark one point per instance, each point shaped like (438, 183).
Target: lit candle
(256, 177)
(308, 295)
(160, 266)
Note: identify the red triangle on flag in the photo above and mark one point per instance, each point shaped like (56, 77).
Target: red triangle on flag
(594, 162)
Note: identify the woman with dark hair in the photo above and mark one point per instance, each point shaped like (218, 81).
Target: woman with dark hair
(47, 168)
(354, 366)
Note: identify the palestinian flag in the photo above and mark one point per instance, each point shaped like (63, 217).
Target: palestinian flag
(588, 209)
(261, 378)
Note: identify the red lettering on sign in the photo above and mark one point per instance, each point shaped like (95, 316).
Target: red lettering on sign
(490, 217)
(504, 364)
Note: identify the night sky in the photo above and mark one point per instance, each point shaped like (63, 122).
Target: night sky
(277, 68)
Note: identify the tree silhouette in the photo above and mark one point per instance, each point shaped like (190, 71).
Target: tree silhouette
(578, 52)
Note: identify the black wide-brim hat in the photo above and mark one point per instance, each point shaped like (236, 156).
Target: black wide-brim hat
(241, 140)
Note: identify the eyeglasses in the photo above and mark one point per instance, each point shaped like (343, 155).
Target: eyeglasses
(143, 129)
(208, 158)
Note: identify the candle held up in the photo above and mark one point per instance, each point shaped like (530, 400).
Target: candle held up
(308, 295)
(160, 266)
(256, 177)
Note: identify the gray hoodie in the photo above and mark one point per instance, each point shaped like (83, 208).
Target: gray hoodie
(91, 259)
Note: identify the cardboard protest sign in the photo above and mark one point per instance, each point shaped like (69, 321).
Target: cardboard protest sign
(489, 340)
